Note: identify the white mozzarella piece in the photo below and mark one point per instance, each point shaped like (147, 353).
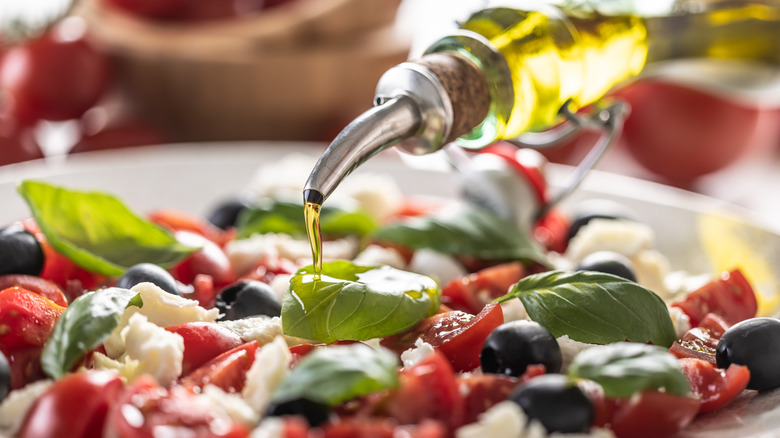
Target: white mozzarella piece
(442, 267)
(271, 365)
(375, 255)
(16, 405)
(416, 354)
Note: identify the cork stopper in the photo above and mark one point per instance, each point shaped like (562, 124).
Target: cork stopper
(467, 89)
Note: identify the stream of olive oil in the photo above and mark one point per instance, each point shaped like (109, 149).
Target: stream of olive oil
(311, 214)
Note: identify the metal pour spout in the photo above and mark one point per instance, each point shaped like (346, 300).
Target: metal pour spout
(420, 107)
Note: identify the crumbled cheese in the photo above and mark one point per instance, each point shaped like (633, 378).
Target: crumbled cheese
(651, 269)
(442, 267)
(245, 254)
(231, 404)
(569, 349)
(681, 321)
(160, 308)
(621, 236)
(417, 353)
(271, 427)
(149, 349)
(16, 405)
(271, 365)
(503, 419)
(513, 310)
(280, 284)
(376, 194)
(375, 255)
(262, 329)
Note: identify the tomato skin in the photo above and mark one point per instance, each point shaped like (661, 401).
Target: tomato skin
(146, 410)
(483, 391)
(458, 335)
(203, 341)
(210, 260)
(75, 406)
(714, 386)
(42, 287)
(18, 144)
(701, 342)
(552, 230)
(653, 414)
(468, 293)
(52, 78)
(155, 9)
(730, 297)
(127, 134)
(26, 318)
(25, 363)
(227, 371)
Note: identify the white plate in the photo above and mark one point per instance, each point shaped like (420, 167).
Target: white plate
(697, 234)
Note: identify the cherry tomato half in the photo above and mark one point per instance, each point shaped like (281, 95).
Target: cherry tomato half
(227, 371)
(729, 296)
(653, 414)
(210, 259)
(203, 341)
(701, 342)
(26, 318)
(42, 287)
(470, 293)
(715, 387)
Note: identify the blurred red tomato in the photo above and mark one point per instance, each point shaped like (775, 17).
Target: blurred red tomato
(681, 134)
(17, 144)
(154, 9)
(53, 78)
(189, 10)
(121, 135)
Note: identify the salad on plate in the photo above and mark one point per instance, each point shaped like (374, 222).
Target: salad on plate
(432, 318)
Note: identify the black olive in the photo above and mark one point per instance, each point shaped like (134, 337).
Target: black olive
(148, 272)
(556, 402)
(608, 262)
(20, 252)
(247, 298)
(225, 214)
(5, 376)
(315, 413)
(754, 343)
(512, 346)
(591, 209)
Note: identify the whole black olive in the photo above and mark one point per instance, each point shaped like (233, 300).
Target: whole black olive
(512, 346)
(754, 343)
(559, 404)
(608, 262)
(225, 214)
(248, 298)
(148, 272)
(5, 377)
(591, 209)
(20, 252)
(315, 413)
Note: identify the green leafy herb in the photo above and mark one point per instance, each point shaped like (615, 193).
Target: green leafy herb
(624, 369)
(84, 325)
(465, 231)
(97, 231)
(594, 308)
(356, 302)
(336, 374)
(275, 216)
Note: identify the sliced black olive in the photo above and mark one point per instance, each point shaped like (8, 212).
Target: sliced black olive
(608, 262)
(5, 377)
(151, 273)
(248, 298)
(511, 347)
(591, 209)
(20, 252)
(315, 413)
(226, 213)
(754, 343)
(556, 402)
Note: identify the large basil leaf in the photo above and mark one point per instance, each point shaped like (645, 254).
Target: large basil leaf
(336, 374)
(594, 308)
(273, 216)
(624, 369)
(97, 231)
(84, 325)
(351, 302)
(465, 231)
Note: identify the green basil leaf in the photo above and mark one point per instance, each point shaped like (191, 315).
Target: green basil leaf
(97, 231)
(351, 302)
(274, 216)
(340, 373)
(594, 308)
(84, 325)
(624, 369)
(465, 231)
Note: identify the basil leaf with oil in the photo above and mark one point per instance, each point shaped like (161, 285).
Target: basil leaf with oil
(97, 231)
(465, 231)
(351, 302)
(594, 308)
(624, 369)
(274, 216)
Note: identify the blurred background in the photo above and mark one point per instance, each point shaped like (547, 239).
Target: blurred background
(102, 74)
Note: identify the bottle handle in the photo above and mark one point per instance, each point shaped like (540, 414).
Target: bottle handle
(606, 116)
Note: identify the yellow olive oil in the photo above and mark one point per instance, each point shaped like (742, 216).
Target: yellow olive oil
(311, 214)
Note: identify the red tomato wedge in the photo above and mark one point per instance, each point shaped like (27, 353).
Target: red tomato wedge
(75, 406)
(714, 386)
(729, 296)
(653, 414)
(458, 335)
(42, 287)
(470, 293)
(227, 371)
(26, 318)
(483, 391)
(700, 342)
(209, 260)
(203, 341)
